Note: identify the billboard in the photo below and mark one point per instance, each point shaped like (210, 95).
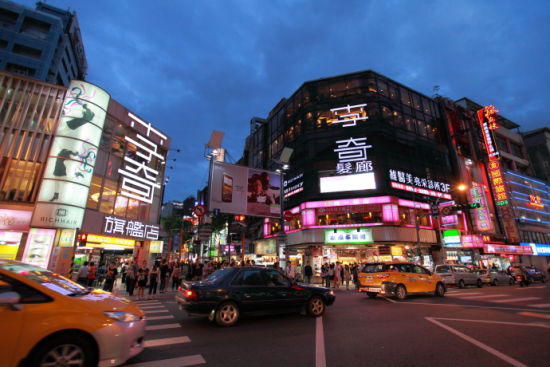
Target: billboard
(243, 190)
(350, 236)
(64, 191)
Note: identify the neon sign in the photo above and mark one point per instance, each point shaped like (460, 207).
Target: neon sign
(534, 201)
(495, 175)
(353, 150)
(487, 118)
(406, 181)
(348, 115)
(481, 215)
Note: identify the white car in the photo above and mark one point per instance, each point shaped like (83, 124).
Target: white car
(458, 275)
(495, 277)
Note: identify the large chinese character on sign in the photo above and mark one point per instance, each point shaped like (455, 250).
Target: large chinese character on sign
(139, 179)
(130, 228)
(352, 156)
(348, 115)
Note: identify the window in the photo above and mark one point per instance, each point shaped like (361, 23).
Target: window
(420, 270)
(516, 150)
(108, 197)
(27, 294)
(133, 209)
(120, 205)
(95, 192)
(27, 51)
(20, 69)
(35, 27)
(275, 279)
(249, 277)
(405, 97)
(445, 269)
(404, 268)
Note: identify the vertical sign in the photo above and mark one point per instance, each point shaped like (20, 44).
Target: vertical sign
(487, 117)
(70, 165)
(482, 219)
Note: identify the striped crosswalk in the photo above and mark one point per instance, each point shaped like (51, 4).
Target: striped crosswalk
(500, 298)
(164, 322)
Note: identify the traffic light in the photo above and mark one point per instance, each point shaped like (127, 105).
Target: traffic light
(82, 239)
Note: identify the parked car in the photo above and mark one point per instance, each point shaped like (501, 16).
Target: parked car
(495, 277)
(458, 275)
(49, 320)
(399, 280)
(535, 274)
(227, 293)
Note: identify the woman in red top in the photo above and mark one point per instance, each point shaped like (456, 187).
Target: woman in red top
(91, 274)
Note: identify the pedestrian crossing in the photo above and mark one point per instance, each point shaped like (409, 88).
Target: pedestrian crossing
(500, 298)
(156, 311)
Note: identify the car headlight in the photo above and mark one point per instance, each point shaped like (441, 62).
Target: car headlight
(122, 316)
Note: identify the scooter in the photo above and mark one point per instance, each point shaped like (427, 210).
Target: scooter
(522, 280)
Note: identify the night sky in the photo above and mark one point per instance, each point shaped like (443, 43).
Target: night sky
(190, 67)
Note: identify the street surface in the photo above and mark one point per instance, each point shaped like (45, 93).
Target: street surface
(489, 326)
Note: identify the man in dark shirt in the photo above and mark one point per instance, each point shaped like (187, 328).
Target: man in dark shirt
(110, 276)
(163, 275)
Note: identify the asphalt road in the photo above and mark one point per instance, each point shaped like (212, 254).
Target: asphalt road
(489, 326)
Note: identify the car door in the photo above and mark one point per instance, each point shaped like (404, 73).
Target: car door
(286, 296)
(406, 276)
(11, 320)
(426, 282)
(250, 288)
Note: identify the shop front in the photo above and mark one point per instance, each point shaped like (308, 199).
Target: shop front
(265, 251)
(14, 228)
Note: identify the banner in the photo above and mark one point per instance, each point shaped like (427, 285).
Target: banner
(243, 190)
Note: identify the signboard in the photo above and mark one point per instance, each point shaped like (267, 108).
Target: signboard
(362, 181)
(156, 247)
(70, 164)
(130, 228)
(110, 240)
(472, 240)
(538, 249)
(481, 215)
(447, 217)
(39, 246)
(15, 220)
(247, 191)
(504, 249)
(266, 247)
(139, 178)
(293, 185)
(352, 156)
(406, 181)
(199, 210)
(348, 115)
(451, 238)
(487, 117)
(348, 236)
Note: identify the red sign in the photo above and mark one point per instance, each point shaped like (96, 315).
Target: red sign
(503, 249)
(288, 216)
(534, 201)
(199, 210)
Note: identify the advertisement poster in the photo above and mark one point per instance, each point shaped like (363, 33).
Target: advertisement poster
(15, 220)
(72, 157)
(39, 246)
(242, 190)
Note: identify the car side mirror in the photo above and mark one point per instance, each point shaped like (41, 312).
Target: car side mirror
(11, 299)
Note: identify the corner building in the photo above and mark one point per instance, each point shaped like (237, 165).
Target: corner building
(370, 160)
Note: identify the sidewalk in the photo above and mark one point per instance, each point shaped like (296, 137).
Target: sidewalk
(121, 292)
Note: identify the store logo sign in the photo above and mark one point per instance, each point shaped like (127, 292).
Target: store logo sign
(130, 228)
(348, 236)
(352, 156)
(348, 115)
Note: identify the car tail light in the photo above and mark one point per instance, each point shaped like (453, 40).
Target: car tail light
(383, 276)
(191, 294)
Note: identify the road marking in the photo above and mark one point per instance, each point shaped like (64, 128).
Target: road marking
(151, 307)
(173, 362)
(390, 300)
(162, 326)
(489, 296)
(535, 314)
(510, 300)
(471, 306)
(166, 341)
(541, 305)
(148, 303)
(478, 344)
(494, 322)
(155, 311)
(533, 287)
(152, 318)
(320, 360)
(465, 294)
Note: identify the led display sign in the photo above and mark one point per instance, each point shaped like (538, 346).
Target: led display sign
(472, 240)
(293, 185)
(538, 249)
(39, 247)
(482, 220)
(488, 120)
(504, 249)
(348, 115)
(130, 228)
(352, 156)
(363, 181)
(535, 202)
(70, 164)
(348, 236)
(451, 238)
(406, 181)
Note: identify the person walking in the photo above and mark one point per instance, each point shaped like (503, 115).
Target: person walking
(347, 276)
(131, 275)
(110, 277)
(298, 273)
(143, 274)
(91, 274)
(308, 272)
(163, 275)
(82, 275)
(330, 275)
(153, 281)
(176, 277)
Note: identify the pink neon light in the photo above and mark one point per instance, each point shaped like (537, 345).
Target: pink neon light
(346, 225)
(294, 230)
(419, 190)
(342, 202)
(266, 228)
(308, 217)
(466, 228)
(295, 210)
(413, 226)
(390, 213)
(413, 204)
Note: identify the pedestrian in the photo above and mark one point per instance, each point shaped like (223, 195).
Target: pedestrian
(143, 274)
(290, 270)
(347, 276)
(131, 275)
(330, 274)
(153, 280)
(163, 275)
(123, 272)
(176, 277)
(110, 276)
(308, 272)
(82, 275)
(298, 273)
(91, 274)
(355, 275)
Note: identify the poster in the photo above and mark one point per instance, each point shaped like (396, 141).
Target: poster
(39, 246)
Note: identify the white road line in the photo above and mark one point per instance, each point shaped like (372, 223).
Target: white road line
(148, 301)
(488, 296)
(471, 306)
(541, 305)
(162, 326)
(464, 294)
(491, 321)
(320, 359)
(531, 287)
(152, 318)
(173, 362)
(510, 300)
(479, 344)
(166, 341)
(536, 314)
(151, 307)
(156, 311)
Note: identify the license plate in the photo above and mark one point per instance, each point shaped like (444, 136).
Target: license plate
(373, 289)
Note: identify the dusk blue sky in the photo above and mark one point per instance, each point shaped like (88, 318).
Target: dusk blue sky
(191, 67)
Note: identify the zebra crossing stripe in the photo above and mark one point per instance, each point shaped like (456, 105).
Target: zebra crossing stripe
(510, 300)
(152, 318)
(162, 327)
(155, 311)
(166, 341)
(173, 362)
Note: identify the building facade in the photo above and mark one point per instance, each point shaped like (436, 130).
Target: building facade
(538, 147)
(43, 43)
(82, 176)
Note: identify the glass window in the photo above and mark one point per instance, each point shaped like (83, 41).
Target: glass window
(133, 209)
(108, 197)
(274, 278)
(404, 268)
(443, 269)
(405, 97)
(118, 144)
(250, 277)
(374, 268)
(420, 270)
(382, 87)
(120, 205)
(95, 192)
(410, 123)
(421, 128)
(26, 293)
(416, 100)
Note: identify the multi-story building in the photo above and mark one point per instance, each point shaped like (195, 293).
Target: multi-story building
(538, 147)
(370, 160)
(42, 43)
(81, 175)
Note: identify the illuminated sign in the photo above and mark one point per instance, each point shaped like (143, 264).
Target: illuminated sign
(130, 228)
(472, 240)
(487, 118)
(139, 179)
(447, 217)
(348, 115)
(363, 181)
(293, 185)
(418, 190)
(425, 186)
(482, 220)
(39, 247)
(451, 238)
(534, 201)
(15, 219)
(538, 248)
(495, 175)
(352, 150)
(504, 249)
(348, 236)
(111, 240)
(70, 164)
(156, 247)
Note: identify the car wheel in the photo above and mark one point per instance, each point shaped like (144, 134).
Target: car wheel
(401, 292)
(315, 306)
(439, 290)
(495, 282)
(372, 294)
(479, 283)
(227, 314)
(64, 350)
(461, 283)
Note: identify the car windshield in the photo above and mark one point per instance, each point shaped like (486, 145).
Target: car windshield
(374, 268)
(443, 269)
(46, 278)
(218, 275)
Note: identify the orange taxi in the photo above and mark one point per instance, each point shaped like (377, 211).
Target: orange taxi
(49, 320)
(399, 279)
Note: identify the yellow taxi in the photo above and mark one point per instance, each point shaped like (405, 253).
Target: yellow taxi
(398, 279)
(49, 320)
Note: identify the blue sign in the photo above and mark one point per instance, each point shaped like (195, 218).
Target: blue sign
(538, 248)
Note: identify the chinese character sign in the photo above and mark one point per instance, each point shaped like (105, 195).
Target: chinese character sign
(352, 156)
(487, 117)
(348, 115)
(496, 178)
(130, 228)
(139, 179)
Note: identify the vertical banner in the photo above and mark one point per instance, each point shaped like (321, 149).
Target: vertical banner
(70, 165)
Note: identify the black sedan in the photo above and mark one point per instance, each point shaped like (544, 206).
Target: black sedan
(227, 293)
